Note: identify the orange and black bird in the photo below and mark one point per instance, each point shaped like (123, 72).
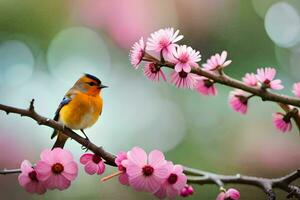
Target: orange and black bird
(80, 108)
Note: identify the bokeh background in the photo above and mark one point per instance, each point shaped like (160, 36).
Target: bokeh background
(46, 45)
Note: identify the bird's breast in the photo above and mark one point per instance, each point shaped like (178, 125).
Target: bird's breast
(82, 111)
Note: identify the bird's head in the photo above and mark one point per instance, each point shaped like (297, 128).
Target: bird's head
(89, 84)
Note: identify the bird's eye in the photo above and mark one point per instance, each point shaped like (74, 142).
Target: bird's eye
(91, 83)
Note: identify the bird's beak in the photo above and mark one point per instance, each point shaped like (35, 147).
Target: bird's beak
(102, 86)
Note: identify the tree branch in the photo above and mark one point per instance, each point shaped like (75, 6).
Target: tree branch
(266, 184)
(109, 158)
(10, 171)
(226, 80)
(195, 176)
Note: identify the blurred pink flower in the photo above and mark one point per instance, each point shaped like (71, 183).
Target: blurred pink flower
(174, 183)
(123, 178)
(217, 61)
(296, 89)
(145, 173)
(238, 101)
(230, 194)
(281, 122)
(56, 168)
(221, 196)
(266, 75)
(93, 163)
(206, 87)
(137, 53)
(187, 191)
(28, 179)
(185, 58)
(153, 73)
(164, 41)
(250, 79)
(184, 80)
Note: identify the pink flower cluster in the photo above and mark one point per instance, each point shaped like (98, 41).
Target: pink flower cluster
(184, 59)
(238, 99)
(163, 44)
(55, 170)
(152, 173)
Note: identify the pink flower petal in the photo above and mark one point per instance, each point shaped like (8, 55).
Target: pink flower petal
(172, 192)
(161, 192)
(152, 184)
(91, 168)
(138, 182)
(133, 170)
(101, 168)
(137, 156)
(123, 179)
(62, 155)
(156, 158)
(70, 171)
(23, 179)
(26, 166)
(43, 170)
(86, 158)
(47, 156)
(57, 182)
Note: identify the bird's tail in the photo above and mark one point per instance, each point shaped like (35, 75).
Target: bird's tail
(60, 140)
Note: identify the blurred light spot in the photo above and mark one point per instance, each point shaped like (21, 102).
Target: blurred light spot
(261, 7)
(16, 63)
(282, 24)
(75, 51)
(125, 22)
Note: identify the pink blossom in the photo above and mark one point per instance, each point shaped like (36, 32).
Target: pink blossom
(282, 122)
(164, 41)
(206, 86)
(265, 76)
(56, 168)
(238, 101)
(230, 194)
(185, 58)
(250, 79)
(28, 179)
(174, 183)
(123, 178)
(154, 73)
(188, 190)
(137, 53)
(184, 80)
(296, 89)
(233, 194)
(217, 61)
(93, 163)
(145, 173)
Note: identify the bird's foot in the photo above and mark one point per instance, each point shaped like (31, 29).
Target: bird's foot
(85, 147)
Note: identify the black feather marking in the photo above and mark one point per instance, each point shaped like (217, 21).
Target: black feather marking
(93, 78)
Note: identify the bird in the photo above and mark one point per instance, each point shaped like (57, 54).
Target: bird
(80, 108)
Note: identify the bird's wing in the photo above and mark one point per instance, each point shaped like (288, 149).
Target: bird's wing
(67, 98)
(64, 102)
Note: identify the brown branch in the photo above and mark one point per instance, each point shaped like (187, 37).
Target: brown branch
(109, 158)
(226, 80)
(194, 175)
(266, 184)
